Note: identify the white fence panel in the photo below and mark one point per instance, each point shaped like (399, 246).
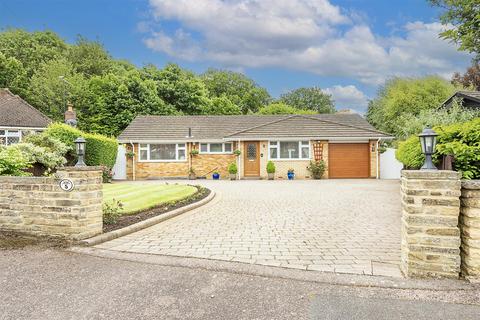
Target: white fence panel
(120, 167)
(390, 167)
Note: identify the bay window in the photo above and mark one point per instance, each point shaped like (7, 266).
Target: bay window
(216, 147)
(289, 150)
(163, 152)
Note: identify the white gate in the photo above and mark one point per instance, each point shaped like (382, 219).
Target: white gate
(390, 167)
(120, 167)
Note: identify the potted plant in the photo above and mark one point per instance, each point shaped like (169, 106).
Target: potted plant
(237, 152)
(215, 175)
(317, 169)
(232, 170)
(291, 174)
(191, 174)
(194, 152)
(130, 154)
(271, 170)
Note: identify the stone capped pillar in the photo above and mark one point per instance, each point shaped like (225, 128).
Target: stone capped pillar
(470, 227)
(430, 231)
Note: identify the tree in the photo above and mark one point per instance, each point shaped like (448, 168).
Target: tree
(461, 17)
(281, 108)
(221, 105)
(89, 57)
(238, 88)
(13, 75)
(31, 49)
(49, 93)
(402, 96)
(309, 99)
(470, 79)
(109, 103)
(179, 88)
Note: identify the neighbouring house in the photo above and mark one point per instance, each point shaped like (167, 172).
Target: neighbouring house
(469, 99)
(161, 146)
(18, 118)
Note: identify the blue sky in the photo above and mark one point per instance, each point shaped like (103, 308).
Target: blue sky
(347, 47)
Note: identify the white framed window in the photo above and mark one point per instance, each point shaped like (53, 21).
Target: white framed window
(162, 152)
(286, 150)
(8, 137)
(216, 148)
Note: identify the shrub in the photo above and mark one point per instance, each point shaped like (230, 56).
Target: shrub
(13, 162)
(232, 168)
(99, 150)
(112, 211)
(462, 140)
(44, 150)
(107, 174)
(270, 167)
(317, 169)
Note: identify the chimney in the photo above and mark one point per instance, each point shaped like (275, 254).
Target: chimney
(70, 116)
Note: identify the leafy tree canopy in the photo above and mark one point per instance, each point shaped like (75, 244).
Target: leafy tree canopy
(281, 108)
(239, 89)
(462, 20)
(309, 99)
(406, 96)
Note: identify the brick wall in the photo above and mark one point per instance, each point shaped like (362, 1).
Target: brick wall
(373, 159)
(430, 232)
(38, 206)
(204, 164)
(470, 228)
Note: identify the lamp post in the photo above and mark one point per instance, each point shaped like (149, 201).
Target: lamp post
(80, 146)
(428, 140)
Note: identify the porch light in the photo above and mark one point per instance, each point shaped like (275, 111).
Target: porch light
(80, 146)
(428, 140)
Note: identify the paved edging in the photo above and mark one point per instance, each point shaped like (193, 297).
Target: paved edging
(341, 279)
(145, 223)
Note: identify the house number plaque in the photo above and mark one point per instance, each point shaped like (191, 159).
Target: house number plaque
(67, 185)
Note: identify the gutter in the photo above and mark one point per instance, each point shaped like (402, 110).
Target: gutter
(133, 160)
(378, 160)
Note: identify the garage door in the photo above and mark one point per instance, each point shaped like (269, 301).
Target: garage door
(348, 160)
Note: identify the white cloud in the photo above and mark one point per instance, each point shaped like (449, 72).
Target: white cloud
(305, 35)
(348, 97)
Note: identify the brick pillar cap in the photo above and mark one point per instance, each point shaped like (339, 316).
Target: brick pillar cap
(431, 174)
(471, 184)
(84, 168)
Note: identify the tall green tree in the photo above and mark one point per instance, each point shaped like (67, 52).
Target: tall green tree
(179, 88)
(89, 57)
(13, 75)
(402, 96)
(238, 88)
(462, 20)
(309, 99)
(281, 108)
(32, 49)
(221, 106)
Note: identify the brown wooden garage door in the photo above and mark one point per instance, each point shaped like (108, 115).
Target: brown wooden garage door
(348, 160)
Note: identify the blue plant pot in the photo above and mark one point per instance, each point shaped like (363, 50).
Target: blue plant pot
(216, 176)
(291, 175)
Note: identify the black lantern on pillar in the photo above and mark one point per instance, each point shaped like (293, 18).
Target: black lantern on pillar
(80, 146)
(428, 140)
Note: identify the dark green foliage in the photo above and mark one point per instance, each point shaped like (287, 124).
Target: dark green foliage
(462, 140)
(99, 150)
(270, 167)
(232, 168)
(309, 99)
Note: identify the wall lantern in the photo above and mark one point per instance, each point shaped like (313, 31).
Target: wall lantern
(428, 140)
(80, 146)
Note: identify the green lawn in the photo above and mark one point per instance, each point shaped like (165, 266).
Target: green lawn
(136, 197)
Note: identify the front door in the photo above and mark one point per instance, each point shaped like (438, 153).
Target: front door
(252, 159)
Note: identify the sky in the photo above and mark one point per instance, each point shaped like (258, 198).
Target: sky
(348, 48)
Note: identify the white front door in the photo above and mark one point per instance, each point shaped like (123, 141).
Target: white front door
(120, 167)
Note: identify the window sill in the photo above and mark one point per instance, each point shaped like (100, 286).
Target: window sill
(160, 161)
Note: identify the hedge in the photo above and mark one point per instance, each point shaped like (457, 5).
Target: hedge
(462, 140)
(99, 150)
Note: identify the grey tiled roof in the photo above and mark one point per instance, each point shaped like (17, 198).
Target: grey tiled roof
(175, 128)
(470, 99)
(16, 112)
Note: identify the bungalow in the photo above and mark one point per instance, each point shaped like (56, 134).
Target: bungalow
(18, 118)
(161, 146)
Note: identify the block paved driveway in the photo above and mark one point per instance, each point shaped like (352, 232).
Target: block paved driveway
(346, 226)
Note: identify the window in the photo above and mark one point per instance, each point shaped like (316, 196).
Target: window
(216, 147)
(289, 149)
(8, 137)
(162, 152)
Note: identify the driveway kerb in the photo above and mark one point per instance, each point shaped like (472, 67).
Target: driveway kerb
(280, 272)
(145, 224)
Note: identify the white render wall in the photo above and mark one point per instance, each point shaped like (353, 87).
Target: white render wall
(390, 167)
